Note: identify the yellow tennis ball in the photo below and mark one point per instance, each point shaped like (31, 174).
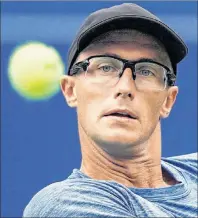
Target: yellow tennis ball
(34, 71)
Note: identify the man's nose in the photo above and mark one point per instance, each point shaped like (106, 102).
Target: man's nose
(126, 85)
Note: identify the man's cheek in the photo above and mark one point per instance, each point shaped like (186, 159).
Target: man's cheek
(88, 109)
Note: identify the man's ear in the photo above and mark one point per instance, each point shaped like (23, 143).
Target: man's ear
(67, 84)
(169, 102)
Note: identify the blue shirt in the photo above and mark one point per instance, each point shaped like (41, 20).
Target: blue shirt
(81, 196)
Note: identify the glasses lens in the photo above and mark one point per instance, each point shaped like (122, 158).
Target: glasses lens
(150, 76)
(104, 70)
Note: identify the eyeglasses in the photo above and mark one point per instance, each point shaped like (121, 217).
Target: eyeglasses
(107, 70)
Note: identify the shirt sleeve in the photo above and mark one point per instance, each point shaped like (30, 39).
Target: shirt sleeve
(77, 201)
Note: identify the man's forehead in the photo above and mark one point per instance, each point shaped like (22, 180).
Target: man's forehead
(118, 43)
(128, 51)
(127, 35)
(125, 39)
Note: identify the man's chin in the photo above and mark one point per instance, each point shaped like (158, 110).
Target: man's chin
(117, 141)
(118, 149)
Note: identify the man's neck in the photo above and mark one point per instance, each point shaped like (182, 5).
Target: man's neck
(142, 170)
(131, 173)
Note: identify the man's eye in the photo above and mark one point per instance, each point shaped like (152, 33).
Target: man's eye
(145, 73)
(107, 68)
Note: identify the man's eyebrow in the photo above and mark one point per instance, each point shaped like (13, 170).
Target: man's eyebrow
(112, 54)
(140, 59)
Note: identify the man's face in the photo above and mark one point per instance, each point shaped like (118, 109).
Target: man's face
(113, 133)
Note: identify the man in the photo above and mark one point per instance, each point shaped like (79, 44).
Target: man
(121, 79)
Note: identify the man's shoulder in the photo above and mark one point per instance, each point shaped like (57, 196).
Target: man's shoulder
(188, 163)
(50, 197)
(189, 158)
(44, 199)
(74, 196)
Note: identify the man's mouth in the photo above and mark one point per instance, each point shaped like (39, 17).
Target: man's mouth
(121, 113)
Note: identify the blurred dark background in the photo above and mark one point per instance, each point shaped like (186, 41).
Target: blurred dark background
(39, 140)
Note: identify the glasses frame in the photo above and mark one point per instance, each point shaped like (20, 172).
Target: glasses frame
(126, 64)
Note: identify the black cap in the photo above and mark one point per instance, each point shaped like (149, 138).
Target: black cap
(130, 16)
